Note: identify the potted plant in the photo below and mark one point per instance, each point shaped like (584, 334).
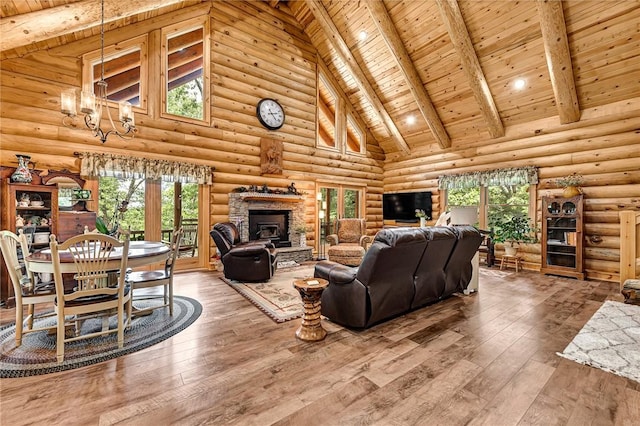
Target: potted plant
(420, 214)
(514, 230)
(571, 184)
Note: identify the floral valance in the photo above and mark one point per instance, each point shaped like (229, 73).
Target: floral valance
(516, 176)
(120, 166)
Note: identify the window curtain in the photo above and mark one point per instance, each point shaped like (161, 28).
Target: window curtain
(120, 166)
(515, 176)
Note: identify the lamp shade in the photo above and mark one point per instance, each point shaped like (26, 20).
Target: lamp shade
(464, 215)
(68, 102)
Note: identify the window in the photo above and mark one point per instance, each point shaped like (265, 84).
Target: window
(497, 194)
(494, 203)
(133, 203)
(506, 201)
(185, 70)
(336, 202)
(355, 137)
(338, 128)
(467, 197)
(327, 108)
(125, 72)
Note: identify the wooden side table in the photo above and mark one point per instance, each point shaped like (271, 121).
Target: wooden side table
(508, 260)
(310, 290)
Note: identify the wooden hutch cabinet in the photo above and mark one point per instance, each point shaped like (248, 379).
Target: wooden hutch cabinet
(562, 236)
(27, 205)
(36, 204)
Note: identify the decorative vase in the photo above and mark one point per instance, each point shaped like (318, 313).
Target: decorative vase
(571, 191)
(423, 222)
(22, 173)
(303, 240)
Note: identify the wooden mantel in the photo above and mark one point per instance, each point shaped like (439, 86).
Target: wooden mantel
(261, 196)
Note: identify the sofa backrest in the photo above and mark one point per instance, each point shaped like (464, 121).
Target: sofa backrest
(430, 279)
(387, 270)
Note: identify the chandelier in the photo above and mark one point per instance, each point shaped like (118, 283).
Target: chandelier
(92, 105)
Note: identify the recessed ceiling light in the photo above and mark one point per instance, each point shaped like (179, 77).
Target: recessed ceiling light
(411, 119)
(363, 35)
(519, 84)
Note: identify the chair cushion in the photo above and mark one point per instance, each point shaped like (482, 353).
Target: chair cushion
(93, 299)
(346, 254)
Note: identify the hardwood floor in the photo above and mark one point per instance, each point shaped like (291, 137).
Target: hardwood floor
(485, 359)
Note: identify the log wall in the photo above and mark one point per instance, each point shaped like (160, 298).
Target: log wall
(257, 51)
(604, 147)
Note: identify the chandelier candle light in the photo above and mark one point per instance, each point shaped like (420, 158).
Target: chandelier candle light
(92, 105)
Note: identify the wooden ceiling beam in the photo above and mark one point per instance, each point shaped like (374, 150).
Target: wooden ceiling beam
(341, 48)
(21, 30)
(398, 51)
(556, 47)
(457, 29)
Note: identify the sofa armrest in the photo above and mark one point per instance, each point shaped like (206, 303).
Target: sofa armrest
(248, 250)
(332, 239)
(335, 273)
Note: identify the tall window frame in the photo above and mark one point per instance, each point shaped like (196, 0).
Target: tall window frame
(328, 136)
(355, 137)
(111, 54)
(339, 127)
(177, 30)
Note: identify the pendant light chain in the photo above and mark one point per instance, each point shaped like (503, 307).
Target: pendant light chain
(98, 101)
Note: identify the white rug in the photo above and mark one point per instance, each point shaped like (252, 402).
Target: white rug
(610, 340)
(277, 298)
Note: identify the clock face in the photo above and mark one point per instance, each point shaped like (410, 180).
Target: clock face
(270, 114)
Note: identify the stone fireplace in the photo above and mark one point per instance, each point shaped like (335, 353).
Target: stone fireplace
(262, 215)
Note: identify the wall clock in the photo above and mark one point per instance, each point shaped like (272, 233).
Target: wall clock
(270, 113)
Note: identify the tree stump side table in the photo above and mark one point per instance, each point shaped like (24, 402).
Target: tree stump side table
(311, 293)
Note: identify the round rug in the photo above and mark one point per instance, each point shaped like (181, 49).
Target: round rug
(37, 354)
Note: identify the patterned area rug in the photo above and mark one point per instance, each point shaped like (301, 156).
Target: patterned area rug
(277, 298)
(610, 340)
(37, 354)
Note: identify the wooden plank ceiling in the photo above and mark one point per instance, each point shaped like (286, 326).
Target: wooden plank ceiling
(449, 64)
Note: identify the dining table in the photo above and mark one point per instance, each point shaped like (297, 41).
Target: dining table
(141, 253)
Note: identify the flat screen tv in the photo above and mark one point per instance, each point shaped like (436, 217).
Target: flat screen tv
(402, 206)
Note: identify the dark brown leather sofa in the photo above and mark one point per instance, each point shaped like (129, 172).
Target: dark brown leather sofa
(248, 262)
(404, 269)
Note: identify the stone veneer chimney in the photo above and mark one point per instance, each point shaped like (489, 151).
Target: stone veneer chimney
(241, 202)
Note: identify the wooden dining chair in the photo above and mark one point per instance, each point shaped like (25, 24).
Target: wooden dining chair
(97, 291)
(15, 249)
(161, 277)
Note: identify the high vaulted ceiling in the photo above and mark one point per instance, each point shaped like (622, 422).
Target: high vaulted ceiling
(449, 64)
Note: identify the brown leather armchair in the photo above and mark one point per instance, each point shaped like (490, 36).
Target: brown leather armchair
(249, 262)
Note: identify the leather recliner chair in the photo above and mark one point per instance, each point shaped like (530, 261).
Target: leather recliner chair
(248, 262)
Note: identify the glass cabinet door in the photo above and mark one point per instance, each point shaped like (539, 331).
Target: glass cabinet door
(562, 236)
